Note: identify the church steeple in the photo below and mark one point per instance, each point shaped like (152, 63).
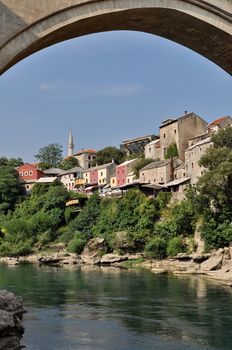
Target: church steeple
(70, 144)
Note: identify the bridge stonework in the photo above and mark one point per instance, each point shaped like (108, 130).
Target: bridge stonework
(28, 26)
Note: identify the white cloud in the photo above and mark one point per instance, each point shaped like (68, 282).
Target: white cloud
(91, 90)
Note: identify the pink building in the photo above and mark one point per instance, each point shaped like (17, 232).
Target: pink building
(93, 176)
(123, 170)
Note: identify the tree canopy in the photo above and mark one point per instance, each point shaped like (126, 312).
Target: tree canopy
(172, 151)
(69, 163)
(214, 191)
(50, 156)
(11, 188)
(107, 154)
(13, 162)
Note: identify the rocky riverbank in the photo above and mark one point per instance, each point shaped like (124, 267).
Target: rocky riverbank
(11, 328)
(216, 265)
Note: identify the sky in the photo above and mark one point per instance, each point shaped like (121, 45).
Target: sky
(107, 87)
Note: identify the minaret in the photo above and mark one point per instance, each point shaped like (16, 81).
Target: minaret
(70, 144)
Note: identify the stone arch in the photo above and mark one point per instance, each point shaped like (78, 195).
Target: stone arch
(200, 25)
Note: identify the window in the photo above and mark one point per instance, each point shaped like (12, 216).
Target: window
(192, 165)
(21, 173)
(89, 157)
(174, 131)
(30, 173)
(101, 173)
(25, 173)
(149, 149)
(113, 181)
(164, 135)
(184, 174)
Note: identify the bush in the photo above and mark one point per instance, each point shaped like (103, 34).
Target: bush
(17, 249)
(76, 245)
(156, 248)
(175, 246)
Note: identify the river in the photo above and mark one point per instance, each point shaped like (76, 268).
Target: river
(113, 309)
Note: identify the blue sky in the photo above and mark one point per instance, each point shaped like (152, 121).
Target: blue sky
(107, 87)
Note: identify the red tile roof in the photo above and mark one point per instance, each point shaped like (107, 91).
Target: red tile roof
(218, 121)
(86, 151)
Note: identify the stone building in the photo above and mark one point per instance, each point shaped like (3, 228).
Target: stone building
(152, 150)
(192, 156)
(179, 131)
(159, 172)
(86, 158)
(220, 123)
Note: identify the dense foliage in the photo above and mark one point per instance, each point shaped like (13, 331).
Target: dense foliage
(34, 221)
(11, 188)
(69, 163)
(107, 154)
(214, 191)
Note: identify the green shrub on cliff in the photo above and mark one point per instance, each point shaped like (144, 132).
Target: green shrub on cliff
(156, 248)
(175, 246)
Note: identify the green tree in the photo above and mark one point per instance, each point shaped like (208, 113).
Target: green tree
(107, 154)
(50, 156)
(69, 163)
(13, 162)
(172, 151)
(214, 191)
(11, 189)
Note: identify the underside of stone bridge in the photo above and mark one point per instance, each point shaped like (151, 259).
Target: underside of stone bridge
(28, 26)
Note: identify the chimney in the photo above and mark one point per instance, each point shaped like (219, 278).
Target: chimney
(185, 112)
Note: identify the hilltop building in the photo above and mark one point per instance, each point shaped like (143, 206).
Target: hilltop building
(179, 131)
(86, 158)
(29, 174)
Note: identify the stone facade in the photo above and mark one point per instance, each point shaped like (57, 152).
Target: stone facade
(179, 131)
(192, 156)
(152, 150)
(86, 158)
(28, 26)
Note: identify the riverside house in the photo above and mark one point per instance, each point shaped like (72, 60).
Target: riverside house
(29, 174)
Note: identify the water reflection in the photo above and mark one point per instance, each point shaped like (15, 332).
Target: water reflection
(108, 308)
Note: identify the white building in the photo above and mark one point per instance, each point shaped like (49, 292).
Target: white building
(69, 177)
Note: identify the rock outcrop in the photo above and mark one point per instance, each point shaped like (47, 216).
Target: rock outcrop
(93, 251)
(11, 328)
(58, 259)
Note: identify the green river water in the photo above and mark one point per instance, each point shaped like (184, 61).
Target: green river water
(113, 309)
